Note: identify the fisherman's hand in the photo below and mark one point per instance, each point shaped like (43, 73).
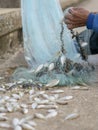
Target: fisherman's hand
(76, 17)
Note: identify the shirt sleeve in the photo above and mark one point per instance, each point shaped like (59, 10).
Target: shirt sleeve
(92, 22)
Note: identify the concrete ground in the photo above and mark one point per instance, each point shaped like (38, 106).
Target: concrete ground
(85, 102)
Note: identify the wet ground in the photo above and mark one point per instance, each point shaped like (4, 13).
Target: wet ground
(84, 102)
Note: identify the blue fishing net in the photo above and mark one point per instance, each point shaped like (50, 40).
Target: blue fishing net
(48, 46)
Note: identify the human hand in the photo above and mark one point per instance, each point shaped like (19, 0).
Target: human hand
(76, 17)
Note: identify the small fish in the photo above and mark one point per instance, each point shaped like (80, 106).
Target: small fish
(63, 60)
(37, 94)
(2, 101)
(32, 123)
(37, 100)
(62, 102)
(3, 118)
(6, 98)
(72, 116)
(25, 111)
(52, 98)
(10, 108)
(57, 91)
(2, 90)
(47, 107)
(27, 127)
(43, 102)
(34, 105)
(39, 68)
(52, 114)
(12, 100)
(84, 44)
(23, 120)
(39, 116)
(3, 109)
(79, 88)
(51, 67)
(31, 92)
(10, 85)
(16, 96)
(45, 96)
(52, 83)
(56, 96)
(66, 98)
(5, 125)
(15, 122)
(21, 94)
(17, 127)
(23, 106)
(2, 114)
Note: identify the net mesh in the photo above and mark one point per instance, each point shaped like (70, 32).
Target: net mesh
(48, 46)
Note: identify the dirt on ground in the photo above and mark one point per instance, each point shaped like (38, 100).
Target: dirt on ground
(84, 101)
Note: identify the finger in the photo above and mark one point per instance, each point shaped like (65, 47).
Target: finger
(77, 22)
(69, 17)
(75, 12)
(68, 21)
(73, 17)
(72, 26)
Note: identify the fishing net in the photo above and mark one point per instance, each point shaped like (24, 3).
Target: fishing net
(49, 49)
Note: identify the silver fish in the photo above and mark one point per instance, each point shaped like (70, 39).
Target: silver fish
(39, 116)
(17, 127)
(2, 90)
(23, 120)
(66, 98)
(72, 116)
(84, 44)
(52, 114)
(25, 111)
(47, 107)
(39, 68)
(27, 127)
(51, 67)
(3, 118)
(34, 105)
(63, 60)
(31, 91)
(15, 122)
(60, 102)
(52, 83)
(79, 88)
(23, 106)
(57, 91)
(5, 125)
(32, 123)
(16, 96)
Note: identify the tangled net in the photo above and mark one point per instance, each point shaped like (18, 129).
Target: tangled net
(49, 49)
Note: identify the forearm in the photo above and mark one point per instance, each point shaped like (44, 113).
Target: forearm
(92, 22)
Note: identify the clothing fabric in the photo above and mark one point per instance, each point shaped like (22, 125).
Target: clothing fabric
(92, 22)
(90, 37)
(94, 43)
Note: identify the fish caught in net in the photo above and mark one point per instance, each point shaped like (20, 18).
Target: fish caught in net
(49, 48)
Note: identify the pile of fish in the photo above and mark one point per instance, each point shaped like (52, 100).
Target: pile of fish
(49, 101)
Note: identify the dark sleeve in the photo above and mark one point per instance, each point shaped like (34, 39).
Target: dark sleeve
(92, 22)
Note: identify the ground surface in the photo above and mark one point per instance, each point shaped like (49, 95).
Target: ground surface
(84, 102)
